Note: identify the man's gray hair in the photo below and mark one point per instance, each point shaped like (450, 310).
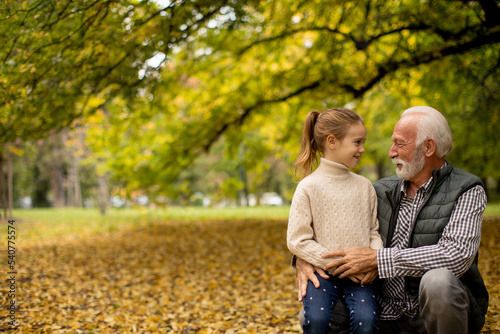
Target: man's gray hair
(432, 124)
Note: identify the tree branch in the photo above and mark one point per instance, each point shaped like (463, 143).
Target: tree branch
(359, 44)
(491, 12)
(383, 70)
(290, 33)
(243, 116)
(423, 58)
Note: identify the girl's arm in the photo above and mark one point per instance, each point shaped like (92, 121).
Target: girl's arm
(300, 232)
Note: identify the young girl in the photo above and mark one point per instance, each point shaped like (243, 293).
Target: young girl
(333, 208)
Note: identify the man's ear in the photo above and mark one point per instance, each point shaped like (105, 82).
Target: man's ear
(429, 147)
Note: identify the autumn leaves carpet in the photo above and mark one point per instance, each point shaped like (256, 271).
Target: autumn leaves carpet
(176, 277)
(170, 277)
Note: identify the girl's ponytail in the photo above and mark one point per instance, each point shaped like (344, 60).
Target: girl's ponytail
(308, 156)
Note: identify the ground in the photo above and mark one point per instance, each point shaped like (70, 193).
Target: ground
(205, 276)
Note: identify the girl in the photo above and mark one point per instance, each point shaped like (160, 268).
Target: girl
(333, 208)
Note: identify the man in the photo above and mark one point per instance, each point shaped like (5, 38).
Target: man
(430, 219)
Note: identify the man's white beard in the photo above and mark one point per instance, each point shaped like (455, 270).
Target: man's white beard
(410, 169)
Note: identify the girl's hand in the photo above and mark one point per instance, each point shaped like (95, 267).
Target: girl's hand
(364, 278)
(305, 273)
(357, 278)
(370, 276)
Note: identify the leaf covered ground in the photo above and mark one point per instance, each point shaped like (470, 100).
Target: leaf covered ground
(207, 276)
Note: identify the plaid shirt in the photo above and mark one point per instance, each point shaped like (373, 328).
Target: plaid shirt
(455, 250)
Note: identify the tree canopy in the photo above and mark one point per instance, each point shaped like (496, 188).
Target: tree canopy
(61, 60)
(159, 84)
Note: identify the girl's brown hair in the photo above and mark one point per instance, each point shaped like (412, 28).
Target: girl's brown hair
(317, 127)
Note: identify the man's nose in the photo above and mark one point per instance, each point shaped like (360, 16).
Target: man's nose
(393, 152)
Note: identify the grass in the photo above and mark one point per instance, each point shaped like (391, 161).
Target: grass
(40, 224)
(492, 209)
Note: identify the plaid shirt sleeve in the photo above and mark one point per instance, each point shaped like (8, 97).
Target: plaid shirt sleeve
(455, 250)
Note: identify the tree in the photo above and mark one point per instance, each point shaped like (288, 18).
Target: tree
(291, 57)
(62, 60)
(57, 55)
(177, 79)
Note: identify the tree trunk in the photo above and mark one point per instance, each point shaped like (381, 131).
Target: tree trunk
(77, 198)
(10, 182)
(70, 200)
(57, 185)
(380, 169)
(2, 185)
(102, 194)
(74, 192)
(57, 170)
(243, 193)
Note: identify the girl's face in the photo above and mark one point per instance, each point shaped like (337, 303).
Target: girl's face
(349, 150)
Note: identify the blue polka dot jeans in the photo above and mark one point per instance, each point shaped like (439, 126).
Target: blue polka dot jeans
(360, 300)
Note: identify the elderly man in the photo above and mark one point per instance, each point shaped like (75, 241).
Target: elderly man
(430, 219)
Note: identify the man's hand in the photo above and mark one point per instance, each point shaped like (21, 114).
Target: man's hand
(305, 273)
(352, 261)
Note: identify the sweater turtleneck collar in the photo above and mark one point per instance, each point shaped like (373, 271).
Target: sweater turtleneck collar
(332, 168)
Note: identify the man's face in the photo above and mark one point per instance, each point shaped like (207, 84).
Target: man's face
(408, 170)
(404, 152)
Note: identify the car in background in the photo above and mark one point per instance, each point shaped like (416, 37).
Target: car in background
(271, 199)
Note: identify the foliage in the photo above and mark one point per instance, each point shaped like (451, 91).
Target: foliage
(162, 89)
(464, 88)
(249, 88)
(293, 57)
(61, 60)
(474, 116)
(156, 275)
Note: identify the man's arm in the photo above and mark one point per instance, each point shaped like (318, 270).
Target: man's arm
(455, 250)
(353, 262)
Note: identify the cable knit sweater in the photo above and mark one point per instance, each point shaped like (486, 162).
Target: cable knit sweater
(332, 208)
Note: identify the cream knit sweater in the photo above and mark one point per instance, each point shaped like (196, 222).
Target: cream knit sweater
(332, 208)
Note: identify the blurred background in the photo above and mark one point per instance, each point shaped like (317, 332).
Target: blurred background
(161, 103)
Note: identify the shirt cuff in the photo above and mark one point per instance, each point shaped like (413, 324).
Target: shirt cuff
(385, 263)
